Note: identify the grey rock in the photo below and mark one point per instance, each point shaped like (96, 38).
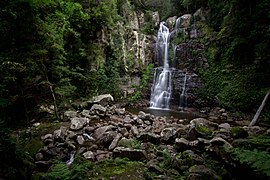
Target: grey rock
(120, 111)
(225, 126)
(134, 130)
(98, 110)
(78, 123)
(181, 144)
(128, 120)
(71, 135)
(39, 156)
(106, 138)
(89, 155)
(70, 114)
(132, 154)
(168, 134)
(220, 141)
(204, 122)
(103, 99)
(99, 132)
(80, 140)
(47, 136)
(86, 113)
(149, 137)
(115, 141)
(144, 116)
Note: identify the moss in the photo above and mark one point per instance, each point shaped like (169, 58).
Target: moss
(117, 168)
(204, 131)
(238, 132)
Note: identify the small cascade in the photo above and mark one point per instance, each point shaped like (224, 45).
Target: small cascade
(71, 159)
(183, 97)
(162, 86)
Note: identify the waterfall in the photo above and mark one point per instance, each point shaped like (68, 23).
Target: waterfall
(162, 86)
(183, 97)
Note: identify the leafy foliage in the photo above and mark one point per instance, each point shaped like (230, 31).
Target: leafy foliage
(259, 160)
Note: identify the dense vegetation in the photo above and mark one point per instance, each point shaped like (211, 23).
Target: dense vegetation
(54, 52)
(237, 41)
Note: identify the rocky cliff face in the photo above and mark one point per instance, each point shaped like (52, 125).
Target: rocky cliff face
(133, 46)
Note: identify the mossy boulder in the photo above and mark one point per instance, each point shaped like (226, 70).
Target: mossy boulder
(238, 132)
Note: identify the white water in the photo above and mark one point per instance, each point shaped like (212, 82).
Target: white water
(183, 98)
(162, 85)
(71, 159)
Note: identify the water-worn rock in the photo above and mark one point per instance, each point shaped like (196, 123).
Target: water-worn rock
(115, 141)
(225, 126)
(98, 133)
(168, 134)
(204, 122)
(103, 99)
(181, 144)
(47, 136)
(89, 155)
(98, 110)
(70, 114)
(80, 140)
(86, 113)
(132, 154)
(145, 116)
(134, 130)
(78, 123)
(39, 156)
(149, 137)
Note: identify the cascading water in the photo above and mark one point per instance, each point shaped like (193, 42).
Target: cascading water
(162, 86)
(183, 97)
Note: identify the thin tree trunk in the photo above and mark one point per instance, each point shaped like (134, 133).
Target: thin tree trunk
(52, 91)
(257, 115)
(54, 102)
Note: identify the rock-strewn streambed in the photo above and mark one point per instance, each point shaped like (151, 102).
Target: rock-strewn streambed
(169, 148)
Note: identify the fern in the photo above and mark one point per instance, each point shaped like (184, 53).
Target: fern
(259, 160)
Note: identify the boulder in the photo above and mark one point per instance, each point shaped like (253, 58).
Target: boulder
(145, 116)
(204, 122)
(238, 132)
(39, 156)
(78, 123)
(181, 144)
(89, 155)
(115, 141)
(132, 154)
(103, 99)
(149, 137)
(134, 130)
(86, 113)
(120, 111)
(70, 114)
(47, 136)
(168, 134)
(98, 110)
(99, 132)
(80, 140)
(224, 126)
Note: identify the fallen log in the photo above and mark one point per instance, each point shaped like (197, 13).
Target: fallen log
(257, 115)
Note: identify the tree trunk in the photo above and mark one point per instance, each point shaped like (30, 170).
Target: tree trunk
(257, 115)
(52, 91)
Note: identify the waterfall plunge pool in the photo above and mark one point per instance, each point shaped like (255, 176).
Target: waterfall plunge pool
(169, 113)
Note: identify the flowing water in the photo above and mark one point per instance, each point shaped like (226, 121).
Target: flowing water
(162, 85)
